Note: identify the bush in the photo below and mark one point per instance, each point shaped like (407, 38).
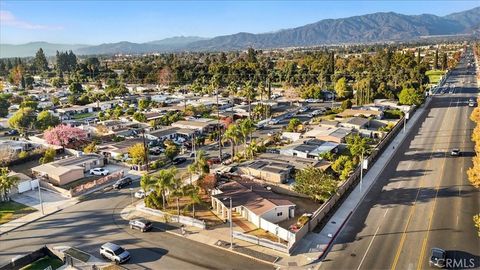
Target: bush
(23, 154)
(393, 114)
(303, 220)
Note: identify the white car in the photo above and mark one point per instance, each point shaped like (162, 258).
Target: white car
(140, 194)
(114, 252)
(274, 121)
(99, 171)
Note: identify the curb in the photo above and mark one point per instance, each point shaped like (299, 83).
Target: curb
(335, 235)
(226, 249)
(212, 245)
(30, 221)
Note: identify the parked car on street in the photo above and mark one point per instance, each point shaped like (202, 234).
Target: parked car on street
(438, 257)
(303, 109)
(121, 183)
(315, 113)
(99, 171)
(156, 150)
(213, 160)
(140, 224)
(11, 132)
(178, 160)
(455, 152)
(140, 194)
(114, 253)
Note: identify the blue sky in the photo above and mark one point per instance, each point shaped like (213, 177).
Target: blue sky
(95, 22)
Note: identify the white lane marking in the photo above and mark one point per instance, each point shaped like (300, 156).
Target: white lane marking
(369, 245)
(457, 220)
(385, 213)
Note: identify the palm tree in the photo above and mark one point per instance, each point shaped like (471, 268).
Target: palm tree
(246, 127)
(194, 194)
(232, 134)
(252, 149)
(249, 93)
(6, 183)
(165, 182)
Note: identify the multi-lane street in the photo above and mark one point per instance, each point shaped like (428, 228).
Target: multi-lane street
(93, 222)
(423, 198)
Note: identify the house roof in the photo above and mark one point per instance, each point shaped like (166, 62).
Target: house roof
(357, 121)
(164, 131)
(327, 131)
(357, 112)
(251, 195)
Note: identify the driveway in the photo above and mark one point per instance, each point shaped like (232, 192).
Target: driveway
(49, 199)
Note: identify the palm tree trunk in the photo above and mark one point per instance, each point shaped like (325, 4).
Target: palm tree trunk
(178, 208)
(163, 199)
(193, 209)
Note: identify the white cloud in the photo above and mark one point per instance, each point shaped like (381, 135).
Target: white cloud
(8, 19)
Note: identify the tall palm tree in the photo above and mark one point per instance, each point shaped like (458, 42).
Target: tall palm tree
(252, 149)
(246, 127)
(232, 134)
(249, 93)
(165, 182)
(194, 194)
(232, 91)
(6, 183)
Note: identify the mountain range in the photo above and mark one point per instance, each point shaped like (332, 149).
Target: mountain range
(376, 27)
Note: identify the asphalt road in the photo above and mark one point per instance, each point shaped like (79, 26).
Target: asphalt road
(422, 199)
(93, 222)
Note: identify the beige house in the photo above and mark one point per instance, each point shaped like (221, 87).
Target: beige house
(67, 170)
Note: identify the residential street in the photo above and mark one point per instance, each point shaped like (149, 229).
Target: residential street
(423, 198)
(97, 220)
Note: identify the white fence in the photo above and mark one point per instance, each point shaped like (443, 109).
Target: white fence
(278, 231)
(261, 242)
(180, 219)
(27, 185)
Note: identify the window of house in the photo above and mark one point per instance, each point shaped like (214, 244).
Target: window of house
(279, 214)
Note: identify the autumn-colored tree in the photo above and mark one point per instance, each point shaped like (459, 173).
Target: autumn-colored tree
(64, 135)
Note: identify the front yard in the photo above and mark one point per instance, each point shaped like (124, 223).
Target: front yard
(13, 210)
(44, 263)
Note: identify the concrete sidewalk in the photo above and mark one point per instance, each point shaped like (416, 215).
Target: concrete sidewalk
(314, 245)
(52, 203)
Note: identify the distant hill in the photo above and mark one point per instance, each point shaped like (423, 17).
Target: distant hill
(29, 49)
(125, 47)
(376, 27)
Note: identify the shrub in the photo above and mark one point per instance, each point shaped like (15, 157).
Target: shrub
(23, 154)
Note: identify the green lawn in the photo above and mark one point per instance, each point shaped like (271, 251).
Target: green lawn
(13, 210)
(82, 116)
(44, 263)
(434, 75)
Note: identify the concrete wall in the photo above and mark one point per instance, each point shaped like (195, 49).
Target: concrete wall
(277, 214)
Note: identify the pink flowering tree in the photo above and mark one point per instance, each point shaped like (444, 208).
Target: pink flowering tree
(64, 135)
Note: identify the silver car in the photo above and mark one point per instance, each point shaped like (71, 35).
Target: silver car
(114, 253)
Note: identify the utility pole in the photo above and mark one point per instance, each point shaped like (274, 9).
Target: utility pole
(145, 146)
(361, 172)
(231, 224)
(219, 132)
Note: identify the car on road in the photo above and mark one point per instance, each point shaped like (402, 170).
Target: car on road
(274, 121)
(99, 171)
(156, 150)
(11, 132)
(140, 194)
(315, 113)
(140, 224)
(455, 152)
(178, 160)
(303, 109)
(114, 253)
(226, 156)
(438, 257)
(123, 182)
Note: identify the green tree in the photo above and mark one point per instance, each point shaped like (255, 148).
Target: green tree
(48, 156)
(23, 120)
(4, 104)
(165, 182)
(232, 134)
(7, 182)
(171, 151)
(143, 104)
(358, 145)
(140, 117)
(315, 183)
(341, 88)
(29, 104)
(346, 104)
(75, 88)
(293, 124)
(45, 120)
(193, 192)
(410, 96)
(40, 61)
(246, 127)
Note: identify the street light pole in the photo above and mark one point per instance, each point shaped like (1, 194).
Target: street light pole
(361, 172)
(131, 194)
(231, 225)
(40, 198)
